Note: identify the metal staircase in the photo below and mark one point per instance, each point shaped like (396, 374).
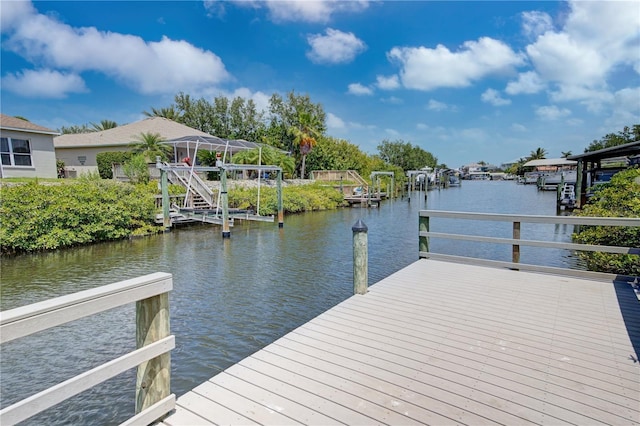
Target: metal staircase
(199, 195)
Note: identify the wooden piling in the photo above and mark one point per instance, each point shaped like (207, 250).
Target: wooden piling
(226, 233)
(280, 207)
(515, 251)
(360, 258)
(153, 381)
(423, 225)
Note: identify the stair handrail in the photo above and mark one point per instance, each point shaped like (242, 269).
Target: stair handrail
(195, 184)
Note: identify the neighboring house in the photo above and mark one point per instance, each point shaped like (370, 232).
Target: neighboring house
(79, 150)
(26, 149)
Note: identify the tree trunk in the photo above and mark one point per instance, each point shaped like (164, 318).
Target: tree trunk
(304, 158)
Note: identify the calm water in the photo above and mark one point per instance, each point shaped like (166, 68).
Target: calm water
(232, 297)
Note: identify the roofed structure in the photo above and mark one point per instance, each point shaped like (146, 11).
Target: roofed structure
(26, 149)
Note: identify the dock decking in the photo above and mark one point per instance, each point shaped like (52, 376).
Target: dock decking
(425, 346)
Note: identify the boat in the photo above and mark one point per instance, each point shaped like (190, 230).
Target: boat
(549, 173)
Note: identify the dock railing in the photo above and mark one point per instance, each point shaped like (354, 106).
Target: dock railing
(516, 220)
(153, 340)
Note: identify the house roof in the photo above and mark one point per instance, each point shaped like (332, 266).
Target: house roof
(127, 133)
(627, 149)
(13, 123)
(550, 162)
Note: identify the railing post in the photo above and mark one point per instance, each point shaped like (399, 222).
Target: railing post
(226, 233)
(360, 258)
(515, 252)
(153, 381)
(423, 241)
(280, 207)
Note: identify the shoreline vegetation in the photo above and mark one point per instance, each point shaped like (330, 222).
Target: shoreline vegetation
(49, 215)
(39, 216)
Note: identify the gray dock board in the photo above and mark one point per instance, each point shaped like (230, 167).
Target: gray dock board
(442, 343)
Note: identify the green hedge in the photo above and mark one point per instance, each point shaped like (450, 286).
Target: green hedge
(618, 198)
(105, 161)
(43, 217)
(295, 199)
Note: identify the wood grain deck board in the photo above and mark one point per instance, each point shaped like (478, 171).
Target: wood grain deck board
(443, 343)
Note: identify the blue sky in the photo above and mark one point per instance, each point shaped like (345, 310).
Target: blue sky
(466, 81)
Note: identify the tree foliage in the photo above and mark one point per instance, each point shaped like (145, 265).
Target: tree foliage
(618, 198)
(628, 134)
(149, 146)
(106, 160)
(403, 154)
(537, 154)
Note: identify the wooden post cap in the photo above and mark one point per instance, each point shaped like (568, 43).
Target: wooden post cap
(359, 226)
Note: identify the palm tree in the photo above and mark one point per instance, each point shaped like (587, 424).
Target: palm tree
(170, 113)
(565, 154)
(538, 154)
(103, 125)
(305, 134)
(149, 145)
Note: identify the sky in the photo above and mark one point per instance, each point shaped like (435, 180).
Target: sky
(467, 81)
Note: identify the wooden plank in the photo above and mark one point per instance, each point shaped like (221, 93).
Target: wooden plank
(33, 405)
(260, 395)
(40, 316)
(192, 405)
(152, 413)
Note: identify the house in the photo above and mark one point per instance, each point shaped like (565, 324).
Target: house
(26, 149)
(79, 150)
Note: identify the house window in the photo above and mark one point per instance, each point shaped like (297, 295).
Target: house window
(15, 152)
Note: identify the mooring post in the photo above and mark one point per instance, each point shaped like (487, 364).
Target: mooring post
(153, 380)
(423, 224)
(164, 190)
(360, 258)
(280, 207)
(515, 254)
(226, 233)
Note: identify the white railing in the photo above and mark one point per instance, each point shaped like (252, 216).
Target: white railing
(425, 234)
(192, 182)
(154, 343)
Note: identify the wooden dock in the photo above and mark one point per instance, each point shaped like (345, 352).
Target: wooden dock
(428, 345)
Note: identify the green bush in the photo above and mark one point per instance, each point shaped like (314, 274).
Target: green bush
(618, 198)
(38, 217)
(106, 159)
(295, 199)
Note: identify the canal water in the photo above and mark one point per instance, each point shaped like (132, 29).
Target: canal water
(232, 297)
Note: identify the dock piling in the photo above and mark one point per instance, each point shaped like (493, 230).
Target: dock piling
(280, 207)
(360, 257)
(226, 233)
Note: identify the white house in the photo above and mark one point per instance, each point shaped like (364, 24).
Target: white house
(79, 150)
(26, 149)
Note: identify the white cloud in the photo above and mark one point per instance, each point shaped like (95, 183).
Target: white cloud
(528, 82)
(423, 68)
(434, 105)
(421, 126)
(492, 96)
(150, 67)
(387, 83)
(597, 38)
(392, 132)
(392, 100)
(536, 23)
(335, 122)
(517, 127)
(626, 108)
(359, 89)
(336, 47)
(43, 83)
(552, 112)
(318, 11)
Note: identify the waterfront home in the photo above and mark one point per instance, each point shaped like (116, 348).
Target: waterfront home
(551, 171)
(26, 149)
(79, 150)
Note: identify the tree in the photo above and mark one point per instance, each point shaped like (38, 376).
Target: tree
(74, 129)
(628, 134)
(103, 125)
(337, 154)
(565, 154)
(267, 156)
(148, 144)
(170, 113)
(136, 169)
(305, 133)
(538, 154)
(403, 154)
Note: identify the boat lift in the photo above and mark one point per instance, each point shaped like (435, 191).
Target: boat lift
(213, 211)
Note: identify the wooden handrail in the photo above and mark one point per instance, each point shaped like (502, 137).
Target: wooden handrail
(515, 242)
(152, 356)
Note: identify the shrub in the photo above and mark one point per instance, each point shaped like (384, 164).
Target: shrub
(618, 198)
(37, 217)
(106, 159)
